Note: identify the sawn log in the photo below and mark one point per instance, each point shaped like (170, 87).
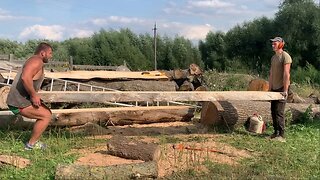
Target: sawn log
(133, 149)
(116, 116)
(233, 114)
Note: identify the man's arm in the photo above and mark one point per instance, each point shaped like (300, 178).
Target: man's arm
(31, 68)
(286, 77)
(270, 79)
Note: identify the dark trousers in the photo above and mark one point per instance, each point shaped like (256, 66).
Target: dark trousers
(277, 113)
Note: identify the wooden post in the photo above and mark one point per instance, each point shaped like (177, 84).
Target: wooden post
(11, 57)
(71, 63)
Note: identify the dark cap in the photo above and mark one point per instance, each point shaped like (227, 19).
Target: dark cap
(276, 39)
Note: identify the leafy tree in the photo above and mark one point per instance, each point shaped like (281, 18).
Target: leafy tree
(298, 21)
(213, 51)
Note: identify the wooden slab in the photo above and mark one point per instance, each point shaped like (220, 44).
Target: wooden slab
(86, 75)
(132, 96)
(16, 161)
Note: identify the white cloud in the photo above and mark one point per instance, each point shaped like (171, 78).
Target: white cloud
(196, 32)
(117, 19)
(80, 33)
(189, 31)
(54, 32)
(209, 4)
(7, 16)
(99, 22)
(125, 20)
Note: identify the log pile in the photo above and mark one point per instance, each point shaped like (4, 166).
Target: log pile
(188, 79)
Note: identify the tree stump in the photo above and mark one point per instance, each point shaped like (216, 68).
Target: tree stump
(4, 91)
(133, 149)
(258, 85)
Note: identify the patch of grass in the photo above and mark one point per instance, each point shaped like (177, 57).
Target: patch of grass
(298, 158)
(43, 163)
(226, 82)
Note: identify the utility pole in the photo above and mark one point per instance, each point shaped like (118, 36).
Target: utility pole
(155, 45)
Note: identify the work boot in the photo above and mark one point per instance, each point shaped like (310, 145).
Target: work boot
(274, 135)
(279, 138)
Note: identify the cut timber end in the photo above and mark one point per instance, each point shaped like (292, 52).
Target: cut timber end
(151, 96)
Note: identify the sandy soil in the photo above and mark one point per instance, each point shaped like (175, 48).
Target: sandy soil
(192, 149)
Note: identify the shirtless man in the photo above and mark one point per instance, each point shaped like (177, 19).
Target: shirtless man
(23, 98)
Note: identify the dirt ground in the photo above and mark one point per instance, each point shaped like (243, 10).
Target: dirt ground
(191, 147)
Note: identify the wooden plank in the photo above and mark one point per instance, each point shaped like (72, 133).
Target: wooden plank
(86, 75)
(132, 96)
(16, 161)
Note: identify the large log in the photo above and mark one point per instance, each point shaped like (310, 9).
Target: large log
(132, 149)
(118, 116)
(125, 171)
(153, 96)
(233, 114)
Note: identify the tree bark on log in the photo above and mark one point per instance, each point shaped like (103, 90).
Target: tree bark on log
(132, 149)
(186, 86)
(233, 114)
(125, 171)
(118, 116)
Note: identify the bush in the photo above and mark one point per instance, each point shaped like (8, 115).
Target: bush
(307, 75)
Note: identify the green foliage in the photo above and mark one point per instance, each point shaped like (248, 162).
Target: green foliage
(245, 48)
(306, 117)
(307, 75)
(226, 82)
(299, 23)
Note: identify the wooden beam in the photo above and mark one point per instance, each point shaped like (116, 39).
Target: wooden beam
(151, 96)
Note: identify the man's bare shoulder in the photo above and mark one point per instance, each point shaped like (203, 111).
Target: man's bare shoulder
(34, 61)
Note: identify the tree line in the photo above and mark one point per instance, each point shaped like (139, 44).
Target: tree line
(244, 48)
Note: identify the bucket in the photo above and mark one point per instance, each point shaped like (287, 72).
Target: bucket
(256, 124)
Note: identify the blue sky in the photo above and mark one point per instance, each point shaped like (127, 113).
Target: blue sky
(22, 20)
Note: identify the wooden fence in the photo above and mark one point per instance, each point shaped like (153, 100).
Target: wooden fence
(61, 64)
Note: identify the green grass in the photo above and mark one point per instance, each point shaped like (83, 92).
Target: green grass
(43, 162)
(298, 158)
